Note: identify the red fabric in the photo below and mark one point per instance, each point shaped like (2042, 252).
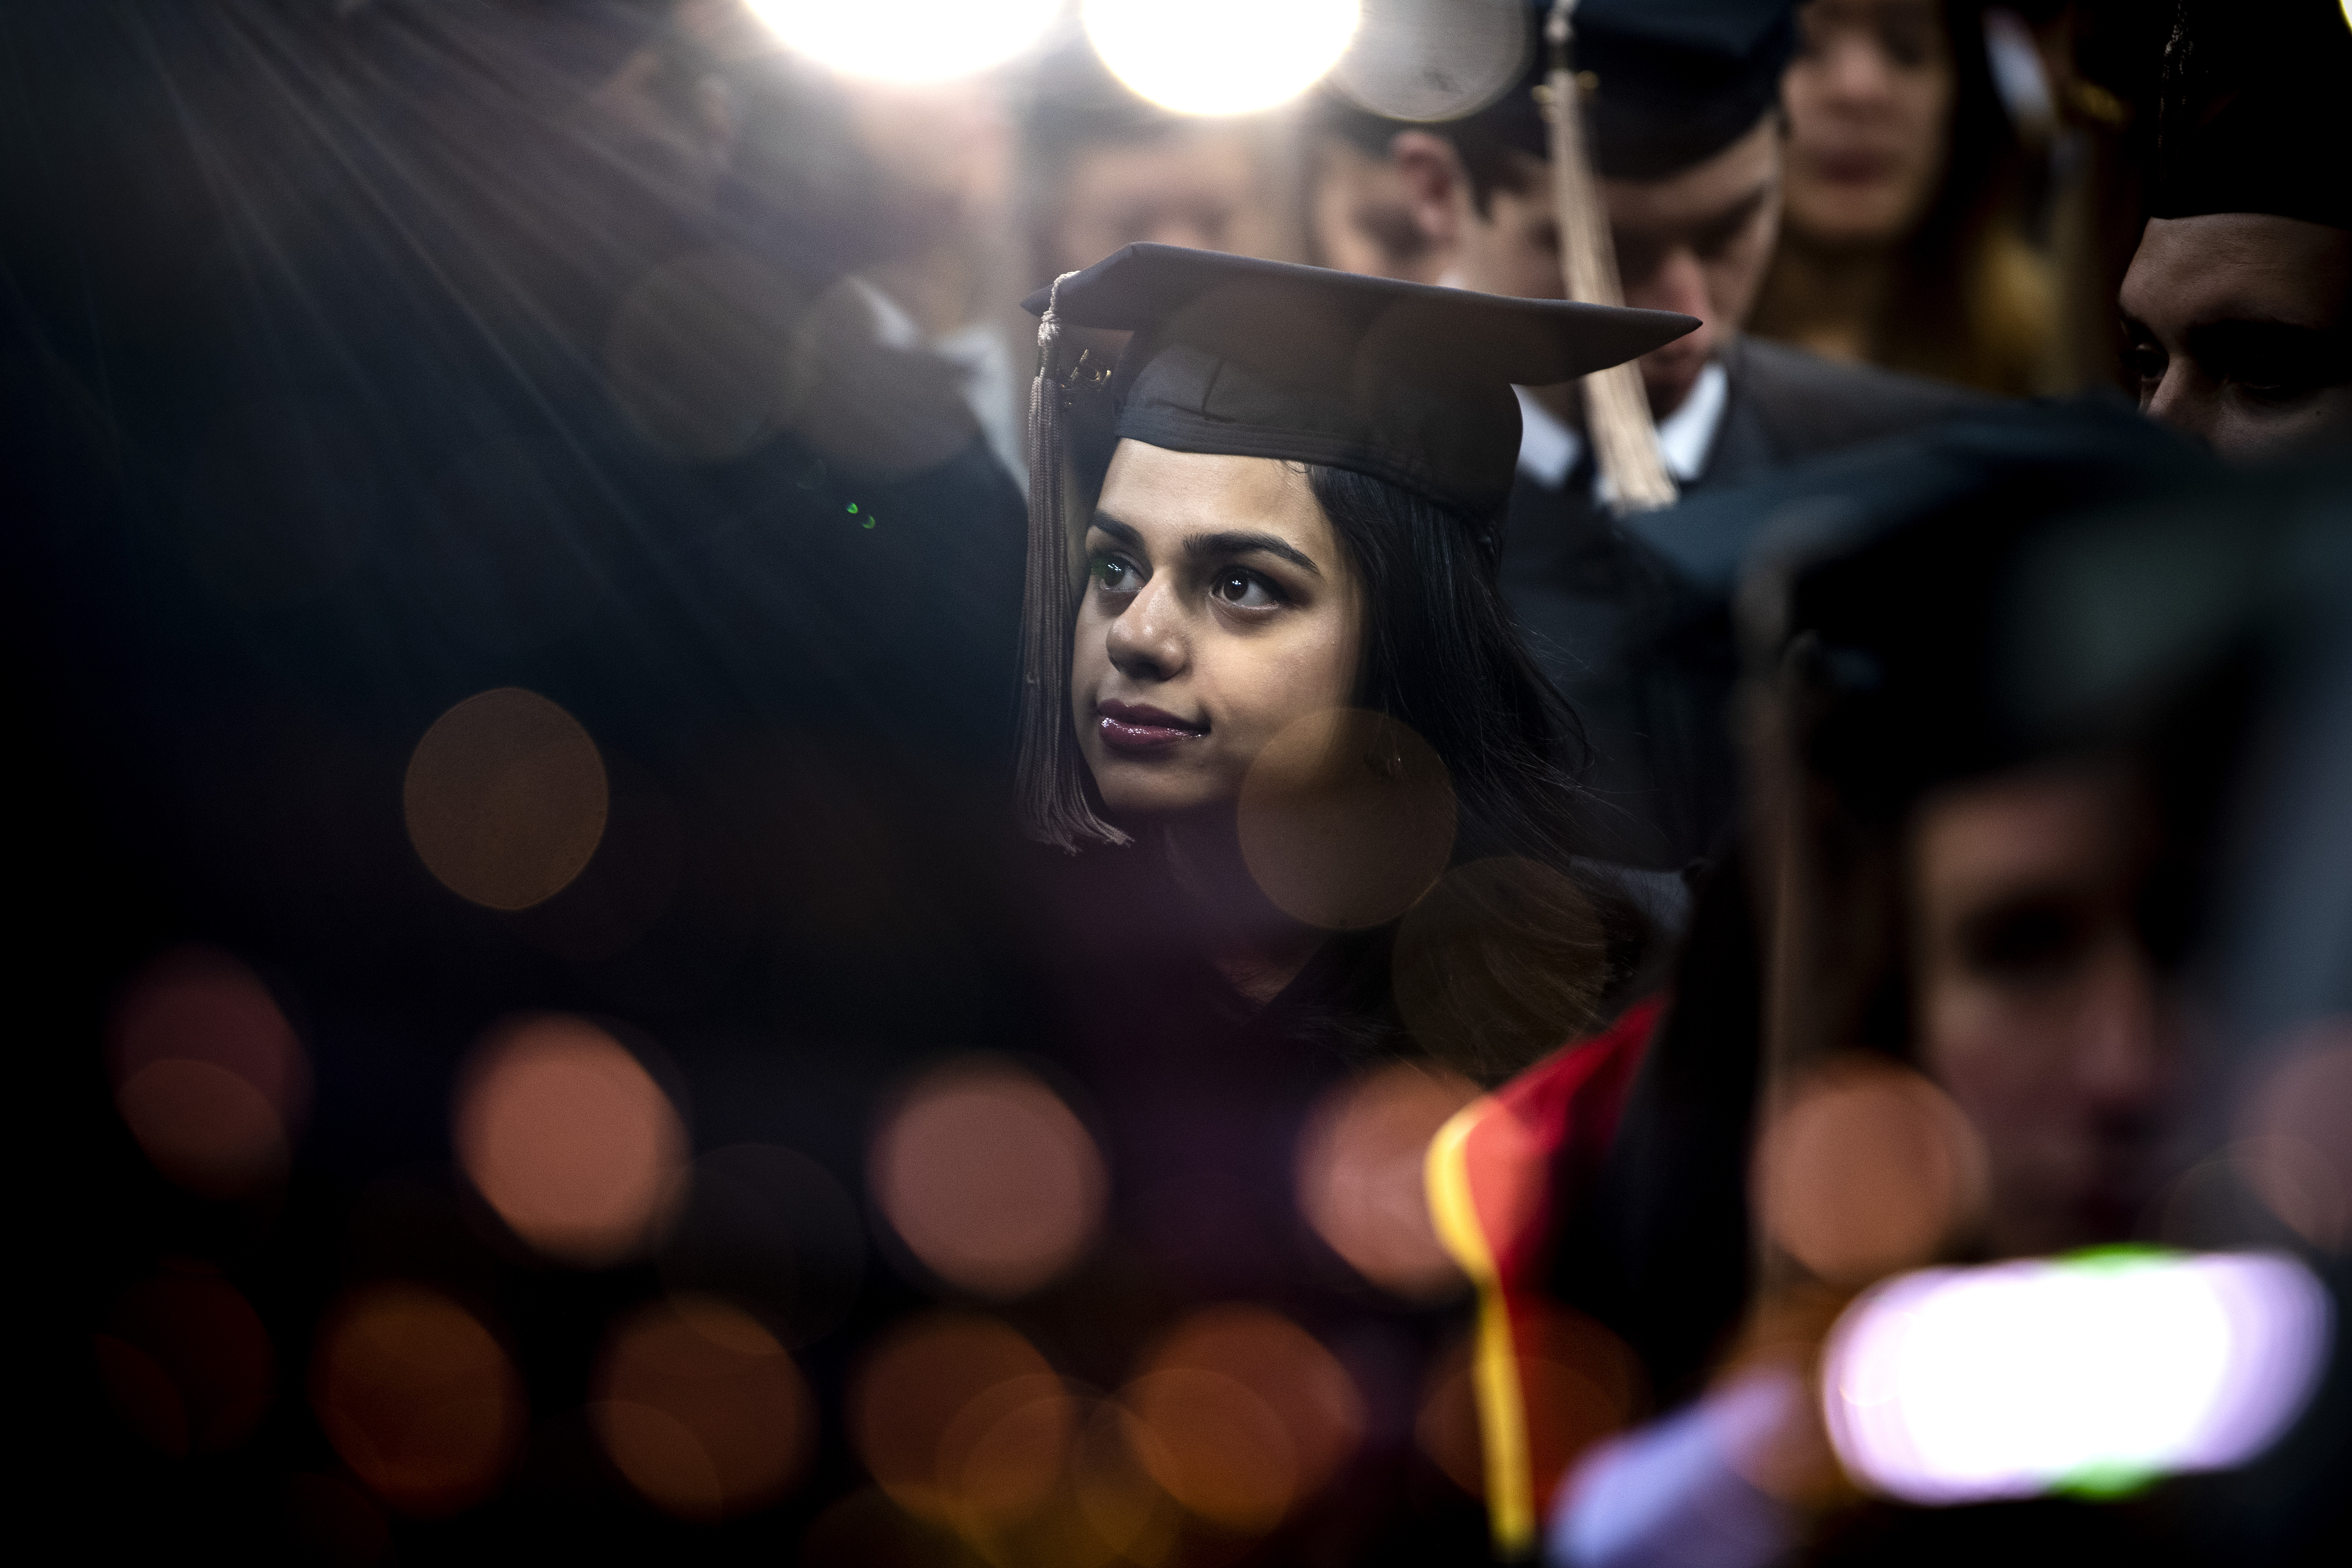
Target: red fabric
(1540, 1133)
(1571, 1100)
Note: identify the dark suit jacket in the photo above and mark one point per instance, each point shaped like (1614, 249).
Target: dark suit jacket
(1646, 665)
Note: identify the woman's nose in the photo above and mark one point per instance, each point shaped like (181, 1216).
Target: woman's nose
(1146, 641)
(1859, 73)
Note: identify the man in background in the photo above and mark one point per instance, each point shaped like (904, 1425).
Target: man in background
(2237, 312)
(1103, 168)
(1360, 214)
(1683, 126)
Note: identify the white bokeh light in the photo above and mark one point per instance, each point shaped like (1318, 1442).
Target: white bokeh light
(1220, 56)
(1968, 1385)
(909, 40)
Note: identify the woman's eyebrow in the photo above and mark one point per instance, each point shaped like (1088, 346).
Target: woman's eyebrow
(1125, 533)
(1198, 545)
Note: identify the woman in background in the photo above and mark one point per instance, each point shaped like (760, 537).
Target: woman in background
(1901, 243)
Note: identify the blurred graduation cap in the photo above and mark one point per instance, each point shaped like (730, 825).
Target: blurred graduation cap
(2250, 110)
(1230, 354)
(1931, 593)
(1662, 85)
(1402, 381)
(1665, 84)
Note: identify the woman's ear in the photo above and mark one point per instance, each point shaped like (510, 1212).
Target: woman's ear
(1435, 183)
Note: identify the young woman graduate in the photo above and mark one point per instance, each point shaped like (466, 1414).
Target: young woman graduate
(1312, 793)
(1287, 683)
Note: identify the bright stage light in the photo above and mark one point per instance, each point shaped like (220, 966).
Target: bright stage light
(1220, 56)
(2095, 1375)
(909, 40)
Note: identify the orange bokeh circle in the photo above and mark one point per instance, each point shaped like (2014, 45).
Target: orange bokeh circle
(1241, 1416)
(1345, 817)
(506, 798)
(961, 1420)
(208, 1074)
(703, 1412)
(417, 1396)
(1868, 1168)
(568, 1137)
(1360, 1174)
(989, 1178)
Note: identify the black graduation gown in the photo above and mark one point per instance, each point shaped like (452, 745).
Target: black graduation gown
(1199, 1100)
(1620, 630)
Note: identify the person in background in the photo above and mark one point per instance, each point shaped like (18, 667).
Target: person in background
(1103, 168)
(1901, 243)
(943, 199)
(905, 188)
(1608, 1186)
(2237, 312)
(428, 378)
(1989, 930)
(1360, 210)
(1687, 135)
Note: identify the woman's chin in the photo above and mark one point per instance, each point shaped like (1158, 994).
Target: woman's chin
(1134, 809)
(1139, 794)
(1845, 217)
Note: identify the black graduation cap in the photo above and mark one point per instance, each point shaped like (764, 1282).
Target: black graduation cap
(1938, 613)
(1665, 83)
(1402, 381)
(1237, 356)
(2251, 111)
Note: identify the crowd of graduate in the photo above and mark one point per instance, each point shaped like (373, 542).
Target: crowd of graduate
(1587, 799)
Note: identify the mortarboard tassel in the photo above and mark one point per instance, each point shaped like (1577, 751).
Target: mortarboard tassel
(1054, 807)
(1616, 408)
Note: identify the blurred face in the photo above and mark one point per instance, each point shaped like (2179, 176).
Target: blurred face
(1219, 607)
(2038, 1009)
(2237, 326)
(1698, 242)
(1193, 187)
(943, 150)
(1361, 216)
(1870, 106)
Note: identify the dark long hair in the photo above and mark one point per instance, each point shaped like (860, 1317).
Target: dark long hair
(1963, 306)
(1952, 313)
(1517, 948)
(1443, 655)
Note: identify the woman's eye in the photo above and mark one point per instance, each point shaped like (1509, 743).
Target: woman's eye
(1114, 575)
(2146, 362)
(1908, 44)
(1244, 591)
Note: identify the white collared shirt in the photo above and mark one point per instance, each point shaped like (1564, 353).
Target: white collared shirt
(991, 384)
(1550, 449)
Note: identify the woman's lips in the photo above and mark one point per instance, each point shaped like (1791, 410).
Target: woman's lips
(1853, 167)
(1134, 727)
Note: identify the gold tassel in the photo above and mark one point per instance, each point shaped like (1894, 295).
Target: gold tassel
(1616, 408)
(1055, 806)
